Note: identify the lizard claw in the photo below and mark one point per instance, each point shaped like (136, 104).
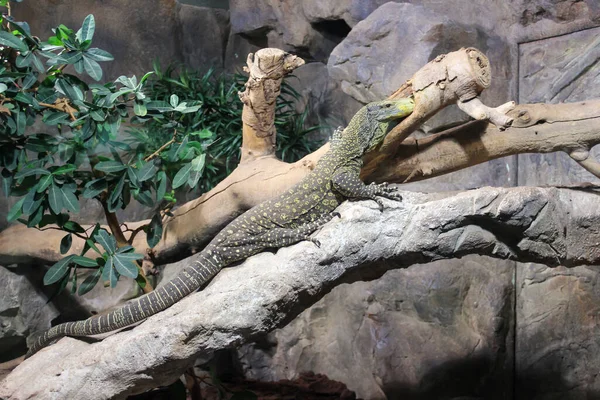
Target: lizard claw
(316, 242)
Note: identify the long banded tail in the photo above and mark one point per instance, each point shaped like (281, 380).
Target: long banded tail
(187, 281)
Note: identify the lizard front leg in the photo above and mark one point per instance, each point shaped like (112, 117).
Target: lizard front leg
(348, 184)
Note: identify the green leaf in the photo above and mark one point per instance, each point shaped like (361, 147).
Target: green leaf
(35, 218)
(70, 201)
(182, 175)
(9, 40)
(194, 178)
(24, 61)
(125, 265)
(3, 87)
(85, 261)
(145, 198)
(97, 54)
(116, 194)
(65, 243)
(174, 100)
(31, 204)
(64, 169)
(109, 273)
(162, 185)
(198, 163)
(21, 122)
(92, 245)
(54, 117)
(55, 198)
(94, 188)
(28, 82)
(45, 181)
(140, 109)
(203, 134)
(87, 29)
(110, 166)
(158, 105)
(57, 271)
(92, 68)
(15, 211)
(89, 282)
(68, 89)
(154, 231)
(146, 172)
(33, 171)
(106, 240)
(72, 226)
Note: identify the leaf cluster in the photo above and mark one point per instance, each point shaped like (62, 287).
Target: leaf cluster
(211, 138)
(187, 134)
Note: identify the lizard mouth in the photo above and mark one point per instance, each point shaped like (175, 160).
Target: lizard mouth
(403, 108)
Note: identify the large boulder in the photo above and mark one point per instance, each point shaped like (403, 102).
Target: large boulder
(557, 320)
(436, 331)
(23, 310)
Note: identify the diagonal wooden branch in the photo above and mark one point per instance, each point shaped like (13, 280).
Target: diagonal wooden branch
(268, 290)
(457, 76)
(538, 128)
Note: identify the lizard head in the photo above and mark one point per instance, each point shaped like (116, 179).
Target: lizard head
(384, 115)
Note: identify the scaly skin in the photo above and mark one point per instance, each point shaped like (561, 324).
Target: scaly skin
(287, 219)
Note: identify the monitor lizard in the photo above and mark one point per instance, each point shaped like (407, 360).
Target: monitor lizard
(287, 219)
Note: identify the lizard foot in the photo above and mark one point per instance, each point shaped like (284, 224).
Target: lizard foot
(385, 190)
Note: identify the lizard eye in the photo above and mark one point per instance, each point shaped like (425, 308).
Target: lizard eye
(388, 105)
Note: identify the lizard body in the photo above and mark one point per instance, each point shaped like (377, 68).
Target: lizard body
(287, 219)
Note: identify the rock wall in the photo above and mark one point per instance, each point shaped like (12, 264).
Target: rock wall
(472, 328)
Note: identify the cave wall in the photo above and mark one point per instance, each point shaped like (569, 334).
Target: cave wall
(470, 328)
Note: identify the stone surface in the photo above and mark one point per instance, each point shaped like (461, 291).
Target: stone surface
(283, 24)
(441, 330)
(269, 289)
(204, 36)
(557, 310)
(559, 69)
(23, 310)
(328, 106)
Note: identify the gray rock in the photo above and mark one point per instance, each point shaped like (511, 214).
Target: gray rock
(135, 39)
(327, 105)
(283, 24)
(350, 11)
(23, 310)
(260, 294)
(204, 36)
(557, 309)
(413, 333)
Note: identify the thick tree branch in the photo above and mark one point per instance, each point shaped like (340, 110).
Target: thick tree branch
(537, 128)
(573, 128)
(268, 290)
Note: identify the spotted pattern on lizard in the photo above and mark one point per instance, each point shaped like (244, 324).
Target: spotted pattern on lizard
(287, 219)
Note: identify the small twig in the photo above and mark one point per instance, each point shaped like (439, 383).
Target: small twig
(60, 229)
(161, 148)
(134, 232)
(61, 105)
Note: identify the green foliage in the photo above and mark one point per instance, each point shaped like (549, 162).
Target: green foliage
(189, 136)
(211, 138)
